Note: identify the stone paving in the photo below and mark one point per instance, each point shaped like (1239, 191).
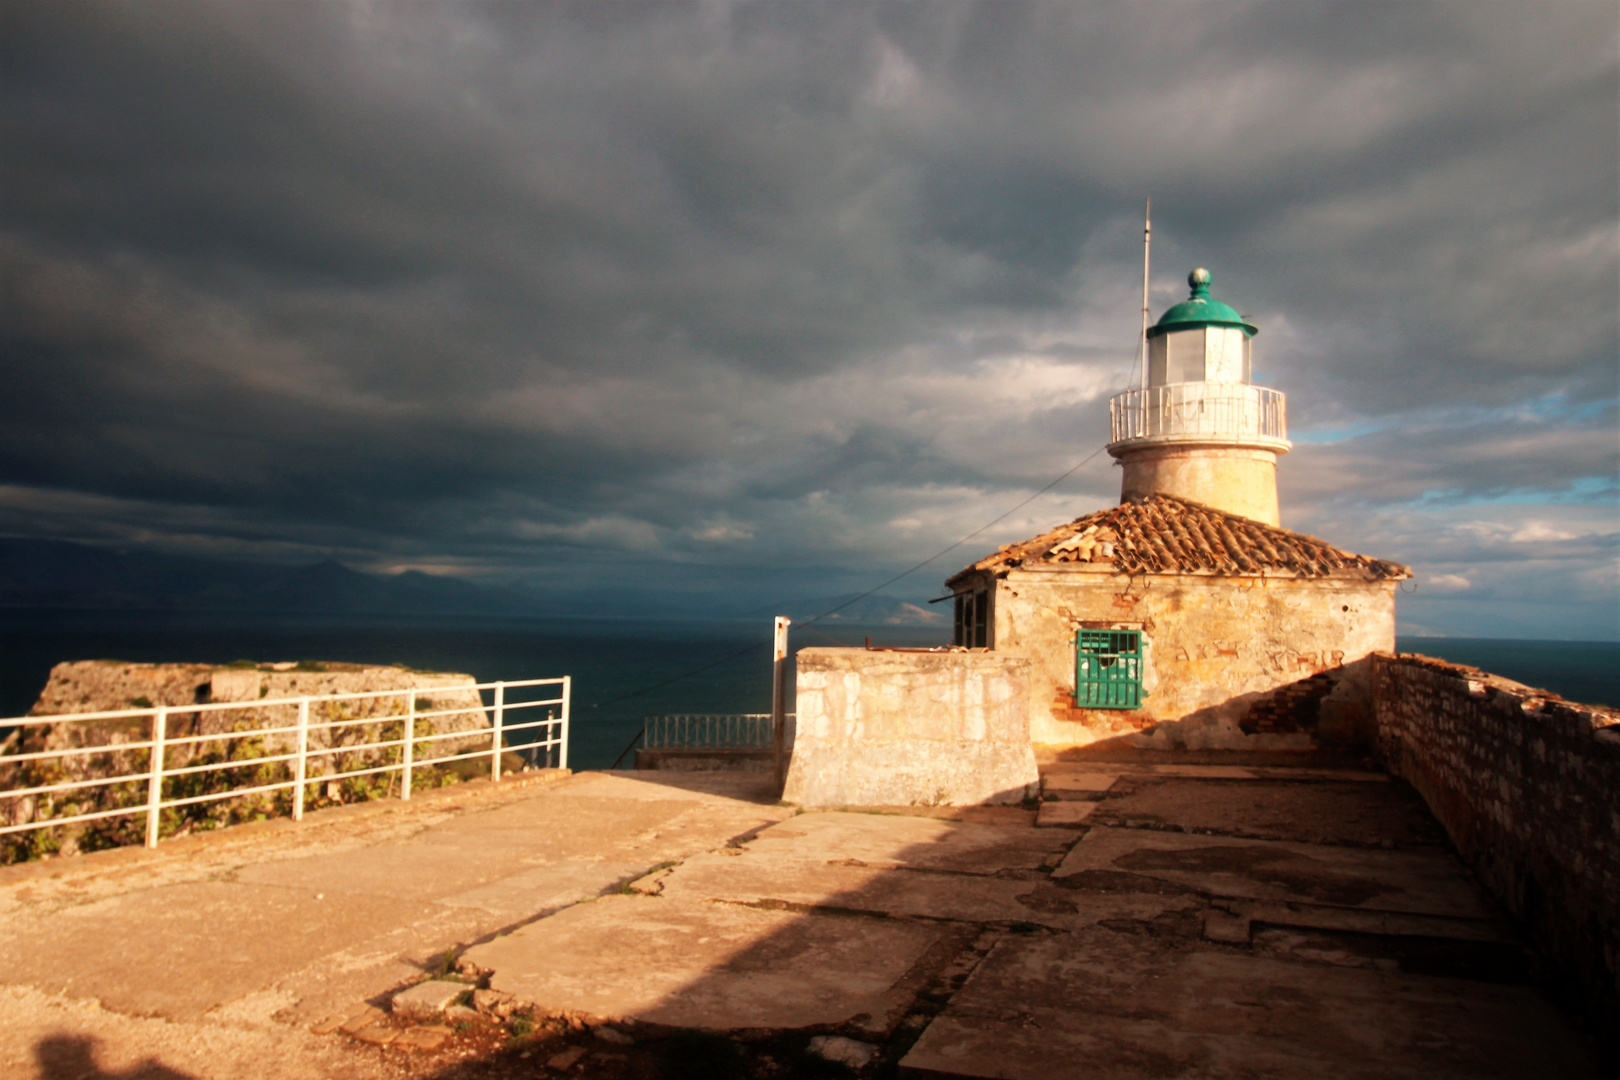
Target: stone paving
(1145, 920)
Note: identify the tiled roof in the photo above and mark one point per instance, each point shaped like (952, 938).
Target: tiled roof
(1162, 534)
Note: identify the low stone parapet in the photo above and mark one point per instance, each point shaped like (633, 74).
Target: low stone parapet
(880, 727)
(1527, 785)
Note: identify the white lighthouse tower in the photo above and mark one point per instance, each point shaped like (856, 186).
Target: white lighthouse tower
(1198, 428)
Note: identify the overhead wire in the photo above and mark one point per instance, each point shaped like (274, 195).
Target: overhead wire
(809, 624)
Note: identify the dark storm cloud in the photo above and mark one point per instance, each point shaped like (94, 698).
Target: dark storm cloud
(753, 287)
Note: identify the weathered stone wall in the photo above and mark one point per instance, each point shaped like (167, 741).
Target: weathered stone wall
(108, 686)
(1528, 787)
(891, 728)
(1229, 662)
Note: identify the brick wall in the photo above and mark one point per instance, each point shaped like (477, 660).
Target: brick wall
(1528, 787)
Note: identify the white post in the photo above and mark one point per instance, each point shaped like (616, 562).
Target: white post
(779, 698)
(301, 766)
(500, 720)
(154, 784)
(410, 736)
(562, 751)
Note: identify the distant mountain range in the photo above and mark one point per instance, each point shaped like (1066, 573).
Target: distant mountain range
(61, 574)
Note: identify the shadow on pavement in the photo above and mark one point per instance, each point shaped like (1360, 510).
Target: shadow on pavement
(73, 1057)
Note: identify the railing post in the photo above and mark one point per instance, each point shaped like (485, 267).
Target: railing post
(154, 785)
(567, 697)
(301, 765)
(500, 719)
(779, 698)
(410, 736)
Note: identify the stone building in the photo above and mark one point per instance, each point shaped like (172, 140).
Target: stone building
(1186, 612)
(1205, 628)
(1184, 617)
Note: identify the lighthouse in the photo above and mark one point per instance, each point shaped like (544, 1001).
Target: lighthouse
(1199, 429)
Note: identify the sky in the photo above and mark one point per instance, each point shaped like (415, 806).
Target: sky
(697, 308)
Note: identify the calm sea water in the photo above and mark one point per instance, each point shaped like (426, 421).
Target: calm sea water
(622, 670)
(1585, 671)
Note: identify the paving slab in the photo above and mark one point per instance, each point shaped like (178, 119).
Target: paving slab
(1420, 882)
(710, 966)
(1326, 812)
(1380, 923)
(545, 889)
(1214, 772)
(1102, 1004)
(1083, 784)
(1061, 814)
(753, 878)
(179, 950)
(918, 843)
(426, 999)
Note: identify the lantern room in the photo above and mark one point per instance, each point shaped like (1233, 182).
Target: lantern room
(1199, 340)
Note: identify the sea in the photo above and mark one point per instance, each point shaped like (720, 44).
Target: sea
(621, 669)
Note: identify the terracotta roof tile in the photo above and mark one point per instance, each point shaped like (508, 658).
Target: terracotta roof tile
(1163, 534)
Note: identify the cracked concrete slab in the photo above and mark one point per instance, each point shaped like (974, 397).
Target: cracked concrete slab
(711, 966)
(1214, 772)
(1104, 1004)
(1419, 882)
(917, 843)
(1325, 812)
(750, 877)
(1064, 814)
(1082, 784)
(549, 888)
(179, 950)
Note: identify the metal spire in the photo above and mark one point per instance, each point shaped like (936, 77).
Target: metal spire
(1147, 248)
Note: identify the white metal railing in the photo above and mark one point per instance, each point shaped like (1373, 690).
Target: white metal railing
(1199, 411)
(267, 732)
(711, 731)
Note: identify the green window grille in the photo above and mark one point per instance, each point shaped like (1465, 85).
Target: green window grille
(1108, 669)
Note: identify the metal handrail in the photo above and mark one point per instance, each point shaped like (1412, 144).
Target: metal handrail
(709, 731)
(294, 753)
(1199, 411)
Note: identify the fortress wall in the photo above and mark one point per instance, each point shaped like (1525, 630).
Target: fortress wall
(1528, 787)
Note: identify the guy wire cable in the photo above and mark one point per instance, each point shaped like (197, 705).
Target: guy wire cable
(905, 573)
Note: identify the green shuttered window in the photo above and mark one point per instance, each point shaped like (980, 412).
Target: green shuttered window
(1108, 669)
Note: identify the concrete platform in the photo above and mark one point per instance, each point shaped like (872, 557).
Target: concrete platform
(1165, 920)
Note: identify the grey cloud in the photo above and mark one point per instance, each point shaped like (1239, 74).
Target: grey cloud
(745, 284)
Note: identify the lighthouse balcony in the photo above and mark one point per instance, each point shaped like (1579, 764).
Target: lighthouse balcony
(1200, 412)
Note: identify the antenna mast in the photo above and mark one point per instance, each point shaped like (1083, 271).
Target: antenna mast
(1147, 248)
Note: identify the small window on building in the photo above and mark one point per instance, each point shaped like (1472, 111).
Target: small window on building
(1108, 669)
(973, 619)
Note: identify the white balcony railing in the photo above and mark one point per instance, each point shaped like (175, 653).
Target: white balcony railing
(1200, 412)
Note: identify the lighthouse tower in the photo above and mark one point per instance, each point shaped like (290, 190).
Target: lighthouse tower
(1199, 429)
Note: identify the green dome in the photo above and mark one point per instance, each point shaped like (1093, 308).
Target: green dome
(1199, 310)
